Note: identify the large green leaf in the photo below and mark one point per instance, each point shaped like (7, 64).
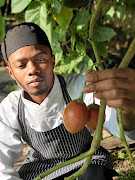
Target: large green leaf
(82, 19)
(64, 17)
(2, 2)
(18, 6)
(2, 28)
(103, 33)
(37, 13)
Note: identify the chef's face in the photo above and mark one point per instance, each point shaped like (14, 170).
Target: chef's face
(32, 68)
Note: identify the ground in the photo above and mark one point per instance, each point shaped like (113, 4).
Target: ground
(111, 143)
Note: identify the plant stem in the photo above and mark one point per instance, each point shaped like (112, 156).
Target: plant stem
(80, 99)
(98, 133)
(124, 63)
(122, 136)
(128, 56)
(93, 19)
(71, 161)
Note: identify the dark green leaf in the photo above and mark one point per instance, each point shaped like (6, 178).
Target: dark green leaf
(102, 49)
(103, 33)
(56, 6)
(2, 2)
(80, 48)
(18, 6)
(71, 52)
(64, 18)
(58, 55)
(82, 19)
(109, 14)
(2, 28)
(121, 10)
(73, 36)
(85, 64)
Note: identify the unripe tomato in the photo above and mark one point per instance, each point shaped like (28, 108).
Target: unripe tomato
(75, 116)
(93, 116)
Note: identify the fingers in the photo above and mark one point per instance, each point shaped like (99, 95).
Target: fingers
(114, 94)
(125, 104)
(117, 86)
(107, 84)
(110, 74)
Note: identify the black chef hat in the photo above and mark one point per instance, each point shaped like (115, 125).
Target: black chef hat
(24, 34)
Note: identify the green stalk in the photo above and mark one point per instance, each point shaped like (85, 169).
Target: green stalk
(124, 63)
(71, 161)
(98, 133)
(128, 56)
(122, 136)
(80, 99)
(93, 19)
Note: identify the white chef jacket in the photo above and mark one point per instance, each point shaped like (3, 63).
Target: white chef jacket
(49, 115)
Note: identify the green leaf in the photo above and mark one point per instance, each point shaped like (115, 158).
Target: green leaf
(56, 6)
(72, 52)
(69, 64)
(80, 48)
(109, 14)
(82, 19)
(85, 64)
(103, 33)
(121, 10)
(2, 28)
(73, 36)
(102, 49)
(58, 55)
(2, 2)
(64, 18)
(18, 6)
(37, 13)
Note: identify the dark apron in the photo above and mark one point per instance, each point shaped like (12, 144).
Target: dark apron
(56, 146)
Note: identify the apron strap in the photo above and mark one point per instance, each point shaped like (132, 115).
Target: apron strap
(66, 96)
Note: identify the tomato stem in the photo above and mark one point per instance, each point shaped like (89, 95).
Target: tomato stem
(80, 99)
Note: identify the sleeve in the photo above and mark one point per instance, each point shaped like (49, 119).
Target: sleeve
(11, 144)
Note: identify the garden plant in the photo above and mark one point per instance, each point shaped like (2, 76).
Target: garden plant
(78, 34)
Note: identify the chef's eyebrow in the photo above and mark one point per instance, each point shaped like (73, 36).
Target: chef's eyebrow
(21, 59)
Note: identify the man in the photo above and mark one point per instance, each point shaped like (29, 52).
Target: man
(34, 113)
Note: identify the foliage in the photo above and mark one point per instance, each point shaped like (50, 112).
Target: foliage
(2, 22)
(129, 175)
(67, 29)
(9, 88)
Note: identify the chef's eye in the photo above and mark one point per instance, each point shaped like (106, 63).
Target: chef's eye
(21, 66)
(41, 59)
